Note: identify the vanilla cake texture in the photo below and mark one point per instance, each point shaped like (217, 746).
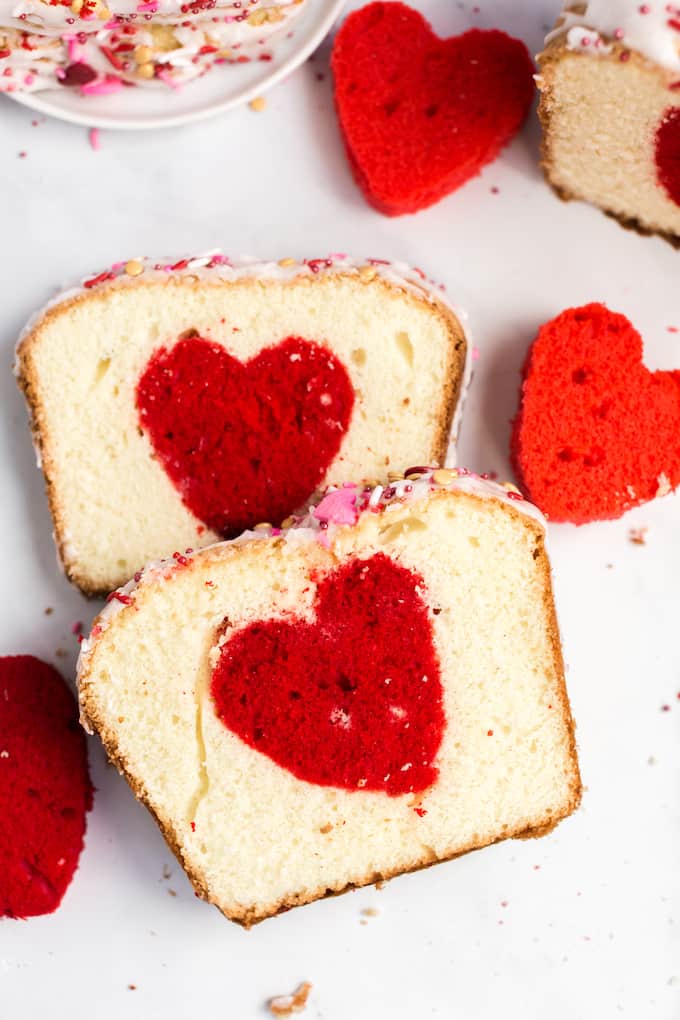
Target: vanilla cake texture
(375, 688)
(342, 369)
(609, 79)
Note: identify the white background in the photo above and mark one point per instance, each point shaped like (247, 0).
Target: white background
(590, 927)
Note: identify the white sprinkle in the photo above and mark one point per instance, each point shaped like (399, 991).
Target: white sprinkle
(4, 754)
(296, 357)
(398, 712)
(375, 496)
(406, 767)
(326, 399)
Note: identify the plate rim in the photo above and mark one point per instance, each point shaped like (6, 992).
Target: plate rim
(36, 100)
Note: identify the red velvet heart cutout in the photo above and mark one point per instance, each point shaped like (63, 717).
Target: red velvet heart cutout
(45, 788)
(421, 115)
(597, 432)
(667, 153)
(353, 699)
(245, 443)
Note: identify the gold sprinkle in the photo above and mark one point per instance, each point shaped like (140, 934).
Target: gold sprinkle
(367, 273)
(263, 526)
(286, 262)
(143, 54)
(134, 267)
(145, 71)
(395, 476)
(509, 487)
(444, 476)
(288, 523)
(76, 6)
(258, 104)
(103, 12)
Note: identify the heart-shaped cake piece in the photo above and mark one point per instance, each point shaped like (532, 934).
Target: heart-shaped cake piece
(597, 433)
(352, 698)
(45, 788)
(377, 687)
(245, 443)
(421, 115)
(208, 396)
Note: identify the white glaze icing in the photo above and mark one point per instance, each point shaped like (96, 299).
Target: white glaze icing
(180, 51)
(90, 15)
(313, 526)
(652, 29)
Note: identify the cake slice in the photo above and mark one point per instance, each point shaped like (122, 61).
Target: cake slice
(375, 688)
(174, 404)
(101, 47)
(610, 106)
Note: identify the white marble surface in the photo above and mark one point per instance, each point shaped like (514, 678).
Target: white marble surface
(590, 926)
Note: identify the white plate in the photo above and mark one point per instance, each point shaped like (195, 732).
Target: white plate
(219, 90)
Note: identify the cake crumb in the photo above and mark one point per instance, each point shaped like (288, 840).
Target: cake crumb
(49, 611)
(380, 885)
(325, 829)
(132, 988)
(286, 1005)
(370, 912)
(637, 536)
(258, 104)
(61, 653)
(171, 892)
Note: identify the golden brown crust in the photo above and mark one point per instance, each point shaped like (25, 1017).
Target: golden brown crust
(247, 918)
(554, 52)
(28, 382)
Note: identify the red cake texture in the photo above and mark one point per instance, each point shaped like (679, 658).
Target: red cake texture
(45, 788)
(421, 115)
(597, 433)
(668, 153)
(245, 443)
(353, 699)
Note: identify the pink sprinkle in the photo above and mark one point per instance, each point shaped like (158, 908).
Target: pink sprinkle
(672, 329)
(665, 708)
(75, 51)
(644, 8)
(150, 5)
(22, 155)
(93, 135)
(102, 86)
(475, 353)
(337, 507)
(504, 903)
(168, 79)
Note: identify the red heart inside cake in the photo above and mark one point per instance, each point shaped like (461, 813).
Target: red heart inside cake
(597, 432)
(45, 788)
(668, 153)
(352, 699)
(421, 115)
(245, 443)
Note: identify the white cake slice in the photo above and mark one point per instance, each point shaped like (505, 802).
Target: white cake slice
(374, 689)
(174, 404)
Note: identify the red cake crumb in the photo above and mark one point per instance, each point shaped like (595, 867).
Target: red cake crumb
(245, 443)
(667, 153)
(421, 115)
(45, 789)
(353, 699)
(597, 432)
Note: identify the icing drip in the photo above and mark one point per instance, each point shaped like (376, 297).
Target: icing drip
(652, 29)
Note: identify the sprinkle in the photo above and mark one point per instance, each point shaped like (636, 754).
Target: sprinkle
(284, 263)
(475, 353)
(93, 136)
(127, 600)
(258, 104)
(489, 733)
(105, 86)
(134, 267)
(444, 476)
(636, 536)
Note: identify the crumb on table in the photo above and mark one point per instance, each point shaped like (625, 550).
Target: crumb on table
(286, 1005)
